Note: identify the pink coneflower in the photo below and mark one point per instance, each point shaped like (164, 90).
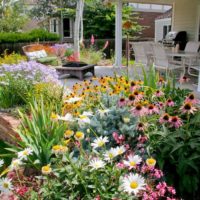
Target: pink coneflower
(191, 99)
(160, 105)
(138, 110)
(159, 93)
(132, 99)
(141, 127)
(175, 121)
(161, 81)
(138, 94)
(184, 79)
(152, 109)
(134, 86)
(188, 108)
(164, 118)
(170, 103)
(122, 102)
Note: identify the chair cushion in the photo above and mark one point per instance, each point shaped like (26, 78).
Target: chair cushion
(36, 54)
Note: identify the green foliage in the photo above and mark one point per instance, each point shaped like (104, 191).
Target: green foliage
(13, 17)
(178, 153)
(32, 36)
(90, 56)
(99, 19)
(13, 58)
(40, 133)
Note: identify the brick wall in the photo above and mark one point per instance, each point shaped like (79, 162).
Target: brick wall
(147, 19)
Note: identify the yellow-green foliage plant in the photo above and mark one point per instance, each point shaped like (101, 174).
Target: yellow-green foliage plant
(13, 58)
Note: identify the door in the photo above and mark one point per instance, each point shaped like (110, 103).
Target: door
(67, 28)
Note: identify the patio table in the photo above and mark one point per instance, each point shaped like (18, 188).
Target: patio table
(186, 55)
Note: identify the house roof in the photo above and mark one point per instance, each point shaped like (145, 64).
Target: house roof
(167, 14)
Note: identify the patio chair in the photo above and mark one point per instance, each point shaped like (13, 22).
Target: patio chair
(194, 67)
(191, 47)
(162, 62)
(141, 58)
(39, 53)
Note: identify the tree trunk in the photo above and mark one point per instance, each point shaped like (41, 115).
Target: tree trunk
(79, 17)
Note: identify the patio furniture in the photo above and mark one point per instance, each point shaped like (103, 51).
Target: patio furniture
(77, 70)
(38, 53)
(140, 54)
(161, 60)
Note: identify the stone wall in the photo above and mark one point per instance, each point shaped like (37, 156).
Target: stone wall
(8, 125)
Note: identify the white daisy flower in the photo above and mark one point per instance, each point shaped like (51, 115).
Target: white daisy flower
(102, 113)
(151, 162)
(15, 165)
(110, 154)
(68, 117)
(99, 142)
(132, 161)
(82, 120)
(87, 113)
(6, 185)
(73, 100)
(120, 150)
(1, 163)
(25, 153)
(96, 163)
(133, 183)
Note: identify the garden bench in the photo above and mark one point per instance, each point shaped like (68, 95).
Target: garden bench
(77, 71)
(42, 54)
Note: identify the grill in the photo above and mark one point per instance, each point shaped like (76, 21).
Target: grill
(173, 38)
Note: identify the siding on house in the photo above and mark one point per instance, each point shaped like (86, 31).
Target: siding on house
(185, 14)
(185, 17)
(159, 26)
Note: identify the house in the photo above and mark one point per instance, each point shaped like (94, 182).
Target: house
(147, 14)
(60, 23)
(185, 17)
(163, 25)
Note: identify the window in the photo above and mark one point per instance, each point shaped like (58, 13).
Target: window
(67, 28)
(164, 31)
(54, 25)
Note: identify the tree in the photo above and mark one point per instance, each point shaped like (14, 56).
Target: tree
(12, 15)
(99, 19)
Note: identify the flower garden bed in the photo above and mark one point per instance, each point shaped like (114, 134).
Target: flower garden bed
(113, 138)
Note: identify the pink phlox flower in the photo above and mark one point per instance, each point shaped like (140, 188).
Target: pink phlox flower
(162, 187)
(157, 173)
(21, 190)
(142, 139)
(119, 139)
(171, 190)
(120, 165)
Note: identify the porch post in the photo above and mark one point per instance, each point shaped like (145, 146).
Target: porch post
(118, 34)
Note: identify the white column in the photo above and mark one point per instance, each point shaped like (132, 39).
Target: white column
(118, 34)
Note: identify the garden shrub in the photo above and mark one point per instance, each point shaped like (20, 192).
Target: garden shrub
(32, 36)
(13, 58)
(18, 82)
